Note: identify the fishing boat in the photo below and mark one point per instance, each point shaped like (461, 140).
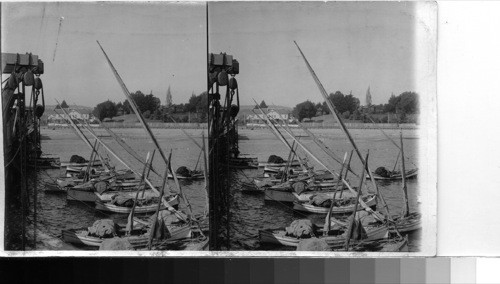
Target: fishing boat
(243, 163)
(294, 163)
(81, 236)
(194, 176)
(45, 163)
(396, 175)
(95, 163)
(408, 224)
(53, 188)
(250, 187)
(370, 201)
(270, 169)
(172, 200)
(335, 239)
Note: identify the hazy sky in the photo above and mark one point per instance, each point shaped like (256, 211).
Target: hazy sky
(151, 45)
(350, 46)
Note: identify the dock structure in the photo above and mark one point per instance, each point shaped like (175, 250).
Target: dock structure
(23, 104)
(224, 105)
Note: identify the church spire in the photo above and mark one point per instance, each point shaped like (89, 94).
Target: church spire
(368, 97)
(168, 101)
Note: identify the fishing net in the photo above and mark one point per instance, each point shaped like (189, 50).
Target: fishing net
(183, 171)
(77, 159)
(299, 187)
(321, 200)
(383, 172)
(128, 201)
(275, 159)
(104, 228)
(302, 228)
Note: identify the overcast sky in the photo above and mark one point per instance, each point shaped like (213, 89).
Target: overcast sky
(151, 45)
(350, 46)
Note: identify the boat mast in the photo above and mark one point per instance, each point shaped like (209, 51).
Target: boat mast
(335, 113)
(406, 211)
(349, 230)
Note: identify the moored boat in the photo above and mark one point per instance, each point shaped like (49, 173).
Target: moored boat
(251, 187)
(280, 237)
(81, 237)
(396, 176)
(370, 201)
(195, 176)
(107, 206)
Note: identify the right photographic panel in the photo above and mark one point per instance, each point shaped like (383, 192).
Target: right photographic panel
(322, 127)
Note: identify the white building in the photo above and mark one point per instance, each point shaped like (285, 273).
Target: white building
(62, 117)
(274, 114)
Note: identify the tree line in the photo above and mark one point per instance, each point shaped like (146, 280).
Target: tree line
(348, 106)
(195, 110)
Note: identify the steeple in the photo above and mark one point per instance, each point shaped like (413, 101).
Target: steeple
(368, 97)
(168, 101)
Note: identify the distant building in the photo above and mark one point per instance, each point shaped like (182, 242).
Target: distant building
(279, 114)
(75, 114)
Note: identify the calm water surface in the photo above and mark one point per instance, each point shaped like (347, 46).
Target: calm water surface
(250, 213)
(55, 213)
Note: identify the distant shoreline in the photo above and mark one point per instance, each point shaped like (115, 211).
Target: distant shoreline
(155, 125)
(321, 125)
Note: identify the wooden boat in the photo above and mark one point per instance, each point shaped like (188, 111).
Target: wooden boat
(270, 169)
(53, 188)
(308, 195)
(294, 163)
(90, 195)
(409, 174)
(337, 240)
(288, 195)
(46, 163)
(411, 223)
(103, 206)
(370, 200)
(250, 187)
(392, 245)
(69, 164)
(194, 176)
(80, 236)
(243, 163)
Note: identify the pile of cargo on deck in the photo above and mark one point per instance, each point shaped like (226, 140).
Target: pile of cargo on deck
(104, 228)
(183, 171)
(275, 159)
(302, 228)
(127, 201)
(77, 159)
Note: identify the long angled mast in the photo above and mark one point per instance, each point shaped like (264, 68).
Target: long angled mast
(335, 113)
(137, 112)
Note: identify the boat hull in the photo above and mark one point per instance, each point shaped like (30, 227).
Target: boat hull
(78, 237)
(275, 237)
(304, 207)
(138, 209)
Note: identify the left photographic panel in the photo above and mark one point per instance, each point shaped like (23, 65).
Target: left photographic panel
(104, 109)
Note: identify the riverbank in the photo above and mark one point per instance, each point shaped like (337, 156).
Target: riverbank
(327, 125)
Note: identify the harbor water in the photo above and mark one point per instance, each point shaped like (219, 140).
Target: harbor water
(251, 213)
(55, 212)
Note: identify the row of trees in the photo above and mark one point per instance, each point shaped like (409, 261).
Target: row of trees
(151, 108)
(349, 107)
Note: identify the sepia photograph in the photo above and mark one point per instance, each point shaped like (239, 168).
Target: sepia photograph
(104, 127)
(327, 111)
